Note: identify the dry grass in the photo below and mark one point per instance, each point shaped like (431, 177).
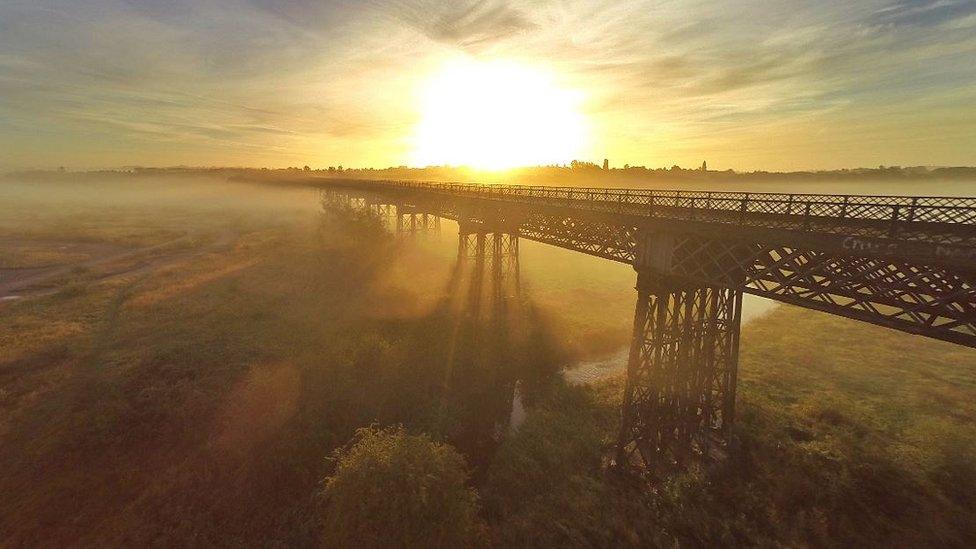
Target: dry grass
(192, 397)
(850, 434)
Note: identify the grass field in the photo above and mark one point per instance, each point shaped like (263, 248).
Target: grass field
(850, 435)
(186, 384)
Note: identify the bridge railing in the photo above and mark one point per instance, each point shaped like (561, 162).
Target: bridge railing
(896, 209)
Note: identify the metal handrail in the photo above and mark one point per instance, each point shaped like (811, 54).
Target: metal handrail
(897, 209)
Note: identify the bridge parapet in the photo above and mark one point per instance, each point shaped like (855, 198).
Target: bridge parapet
(889, 208)
(934, 229)
(907, 263)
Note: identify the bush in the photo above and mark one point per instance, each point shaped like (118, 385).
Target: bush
(392, 489)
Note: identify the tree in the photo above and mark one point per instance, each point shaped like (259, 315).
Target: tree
(392, 489)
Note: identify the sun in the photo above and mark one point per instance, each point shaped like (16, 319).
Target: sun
(494, 115)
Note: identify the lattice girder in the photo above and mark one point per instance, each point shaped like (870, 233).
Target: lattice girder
(930, 300)
(495, 255)
(928, 229)
(883, 280)
(680, 395)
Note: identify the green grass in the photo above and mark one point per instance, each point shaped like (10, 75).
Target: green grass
(198, 402)
(849, 434)
(195, 403)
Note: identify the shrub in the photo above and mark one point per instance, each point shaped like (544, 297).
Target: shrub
(392, 489)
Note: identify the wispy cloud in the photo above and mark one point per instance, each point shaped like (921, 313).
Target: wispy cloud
(467, 24)
(331, 79)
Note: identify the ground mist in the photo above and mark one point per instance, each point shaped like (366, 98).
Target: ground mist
(186, 353)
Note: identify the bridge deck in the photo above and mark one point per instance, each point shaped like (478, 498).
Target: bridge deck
(908, 263)
(930, 228)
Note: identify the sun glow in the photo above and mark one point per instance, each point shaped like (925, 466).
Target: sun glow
(496, 115)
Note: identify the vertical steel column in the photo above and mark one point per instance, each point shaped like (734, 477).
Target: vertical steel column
(510, 256)
(679, 397)
(410, 219)
(494, 251)
(481, 364)
(680, 392)
(503, 261)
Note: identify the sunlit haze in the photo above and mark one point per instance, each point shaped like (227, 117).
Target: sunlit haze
(497, 114)
(487, 273)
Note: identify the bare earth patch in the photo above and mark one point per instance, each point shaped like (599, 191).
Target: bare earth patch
(38, 267)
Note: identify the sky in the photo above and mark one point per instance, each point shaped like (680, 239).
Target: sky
(775, 85)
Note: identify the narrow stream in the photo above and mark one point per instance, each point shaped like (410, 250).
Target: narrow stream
(594, 370)
(591, 371)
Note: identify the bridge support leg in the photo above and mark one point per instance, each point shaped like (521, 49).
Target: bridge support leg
(482, 365)
(503, 262)
(332, 198)
(494, 252)
(410, 220)
(679, 399)
(385, 212)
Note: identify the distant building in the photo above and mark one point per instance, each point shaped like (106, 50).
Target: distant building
(704, 167)
(606, 164)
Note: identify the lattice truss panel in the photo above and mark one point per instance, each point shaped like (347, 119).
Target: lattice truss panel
(386, 213)
(914, 297)
(680, 394)
(335, 198)
(417, 222)
(494, 255)
(600, 238)
(930, 300)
